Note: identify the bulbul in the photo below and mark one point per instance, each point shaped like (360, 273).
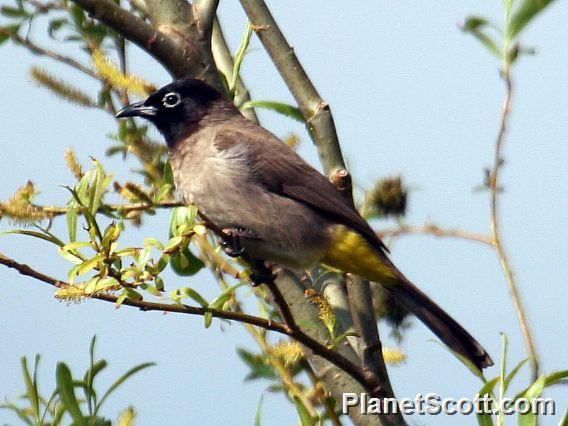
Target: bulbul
(245, 180)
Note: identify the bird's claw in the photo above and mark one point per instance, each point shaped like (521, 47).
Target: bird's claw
(231, 244)
(262, 274)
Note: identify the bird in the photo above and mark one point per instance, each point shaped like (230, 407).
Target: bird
(279, 208)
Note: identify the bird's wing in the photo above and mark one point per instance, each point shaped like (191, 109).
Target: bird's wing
(282, 171)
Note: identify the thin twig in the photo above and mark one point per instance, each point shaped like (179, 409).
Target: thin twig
(176, 60)
(314, 109)
(370, 382)
(126, 208)
(225, 64)
(326, 401)
(151, 306)
(317, 114)
(495, 188)
(34, 48)
(205, 12)
(290, 328)
(370, 348)
(436, 231)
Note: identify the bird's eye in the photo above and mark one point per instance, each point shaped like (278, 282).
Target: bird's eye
(171, 100)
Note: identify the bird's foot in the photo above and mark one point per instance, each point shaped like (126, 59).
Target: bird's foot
(261, 274)
(231, 243)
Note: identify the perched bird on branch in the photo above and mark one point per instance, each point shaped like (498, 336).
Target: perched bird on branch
(274, 205)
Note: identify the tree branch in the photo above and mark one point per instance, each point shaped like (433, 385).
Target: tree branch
(436, 231)
(290, 328)
(317, 114)
(205, 11)
(151, 306)
(314, 109)
(369, 382)
(495, 188)
(126, 208)
(157, 44)
(34, 48)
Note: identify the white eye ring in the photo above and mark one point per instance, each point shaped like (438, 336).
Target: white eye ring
(171, 100)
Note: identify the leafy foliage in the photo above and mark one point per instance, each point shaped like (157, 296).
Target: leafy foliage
(64, 402)
(503, 42)
(497, 389)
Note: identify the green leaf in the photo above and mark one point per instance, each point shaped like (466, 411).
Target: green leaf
(31, 387)
(549, 380)
(121, 380)
(90, 264)
(182, 216)
(207, 319)
(224, 296)
(474, 25)
(532, 392)
(55, 25)
(524, 14)
(7, 31)
(133, 295)
(168, 174)
(258, 414)
(258, 365)
(193, 294)
(239, 57)
(20, 412)
(305, 418)
(564, 420)
(43, 236)
(159, 283)
(72, 257)
(279, 107)
(185, 263)
(173, 244)
(505, 345)
(556, 377)
(72, 216)
(67, 393)
(75, 245)
(488, 387)
(88, 378)
(13, 12)
(486, 419)
(98, 189)
(512, 374)
(78, 16)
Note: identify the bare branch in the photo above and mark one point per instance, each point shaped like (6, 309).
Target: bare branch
(495, 187)
(151, 306)
(179, 61)
(205, 12)
(290, 328)
(314, 109)
(368, 381)
(125, 208)
(34, 48)
(317, 114)
(436, 231)
(370, 348)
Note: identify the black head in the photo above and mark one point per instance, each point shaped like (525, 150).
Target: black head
(175, 107)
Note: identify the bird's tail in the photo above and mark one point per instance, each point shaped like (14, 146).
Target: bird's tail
(351, 252)
(448, 330)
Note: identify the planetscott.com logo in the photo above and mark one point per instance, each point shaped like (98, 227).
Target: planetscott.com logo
(433, 404)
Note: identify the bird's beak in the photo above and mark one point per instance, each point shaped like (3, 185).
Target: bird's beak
(137, 109)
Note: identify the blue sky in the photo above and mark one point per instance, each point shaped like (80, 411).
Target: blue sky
(411, 94)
